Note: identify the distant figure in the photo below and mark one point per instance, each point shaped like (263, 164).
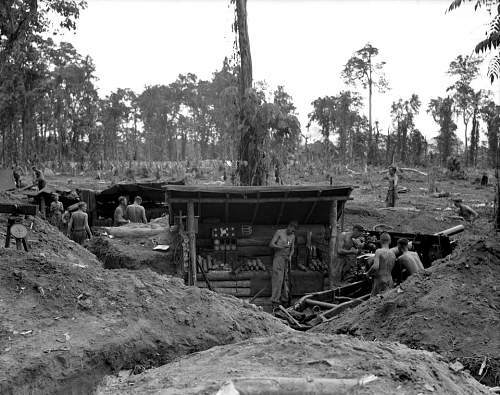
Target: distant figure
(283, 244)
(39, 180)
(409, 260)
(464, 211)
(56, 211)
(484, 180)
(135, 212)
(16, 173)
(120, 212)
(347, 251)
(78, 227)
(392, 193)
(382, 266)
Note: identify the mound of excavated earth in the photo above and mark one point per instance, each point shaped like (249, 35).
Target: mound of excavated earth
(67, 322)
(397, 369)
(453, 308)
(131, 253)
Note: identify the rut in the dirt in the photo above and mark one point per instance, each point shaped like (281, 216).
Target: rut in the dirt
(398, 370)
(453, 308)
(67, 322)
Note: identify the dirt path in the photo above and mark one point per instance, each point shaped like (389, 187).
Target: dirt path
(453, 308)
(399, 370)
(67, 322)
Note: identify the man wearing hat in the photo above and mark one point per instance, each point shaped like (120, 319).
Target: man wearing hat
(464, 211)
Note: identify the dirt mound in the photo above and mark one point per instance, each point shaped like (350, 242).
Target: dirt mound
(11, 197)
(398, 369)
(453, 308)
(66, 321)
(131, 253)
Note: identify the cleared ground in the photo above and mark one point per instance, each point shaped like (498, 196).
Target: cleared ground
(67, 322)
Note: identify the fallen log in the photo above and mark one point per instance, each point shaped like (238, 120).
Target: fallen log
(413, 209)
(292, 385)
(414, 171)
(356, 173)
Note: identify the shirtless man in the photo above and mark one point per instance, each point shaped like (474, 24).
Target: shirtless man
(464, 211)
(283, 244)
(78, 227)
(409, 260)
(120, 212)
(347, 250)
(135, 212)
(382, 266)
(39, 180)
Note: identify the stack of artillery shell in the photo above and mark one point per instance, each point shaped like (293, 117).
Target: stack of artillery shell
(318, 265)
(254, 265)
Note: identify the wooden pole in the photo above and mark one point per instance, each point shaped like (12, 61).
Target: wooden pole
(192, 244)
(332, 245)
(342, 217)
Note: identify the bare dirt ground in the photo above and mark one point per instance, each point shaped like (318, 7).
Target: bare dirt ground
(67, 322)
(453, 308)
(399, 370)
(131, 253)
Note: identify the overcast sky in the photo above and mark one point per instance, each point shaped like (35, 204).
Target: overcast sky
(301, 44)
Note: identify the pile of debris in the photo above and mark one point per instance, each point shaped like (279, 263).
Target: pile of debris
(66, 321)
(296, 363)
(453, 308)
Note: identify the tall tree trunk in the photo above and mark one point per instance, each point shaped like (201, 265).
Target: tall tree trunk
(466, 150)
(370, 92)
(251, 168)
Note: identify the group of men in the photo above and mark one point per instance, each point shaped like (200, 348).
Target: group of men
(348, 248)
(125, 214)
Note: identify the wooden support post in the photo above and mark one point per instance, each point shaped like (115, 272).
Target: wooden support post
(170, 211)
(255, 209)
(282, 208)
(342, 217)
(192, 244)
(43, 207)
(332, 246)
(226, 209)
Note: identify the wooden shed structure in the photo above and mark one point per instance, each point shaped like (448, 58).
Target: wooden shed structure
(229, 230)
